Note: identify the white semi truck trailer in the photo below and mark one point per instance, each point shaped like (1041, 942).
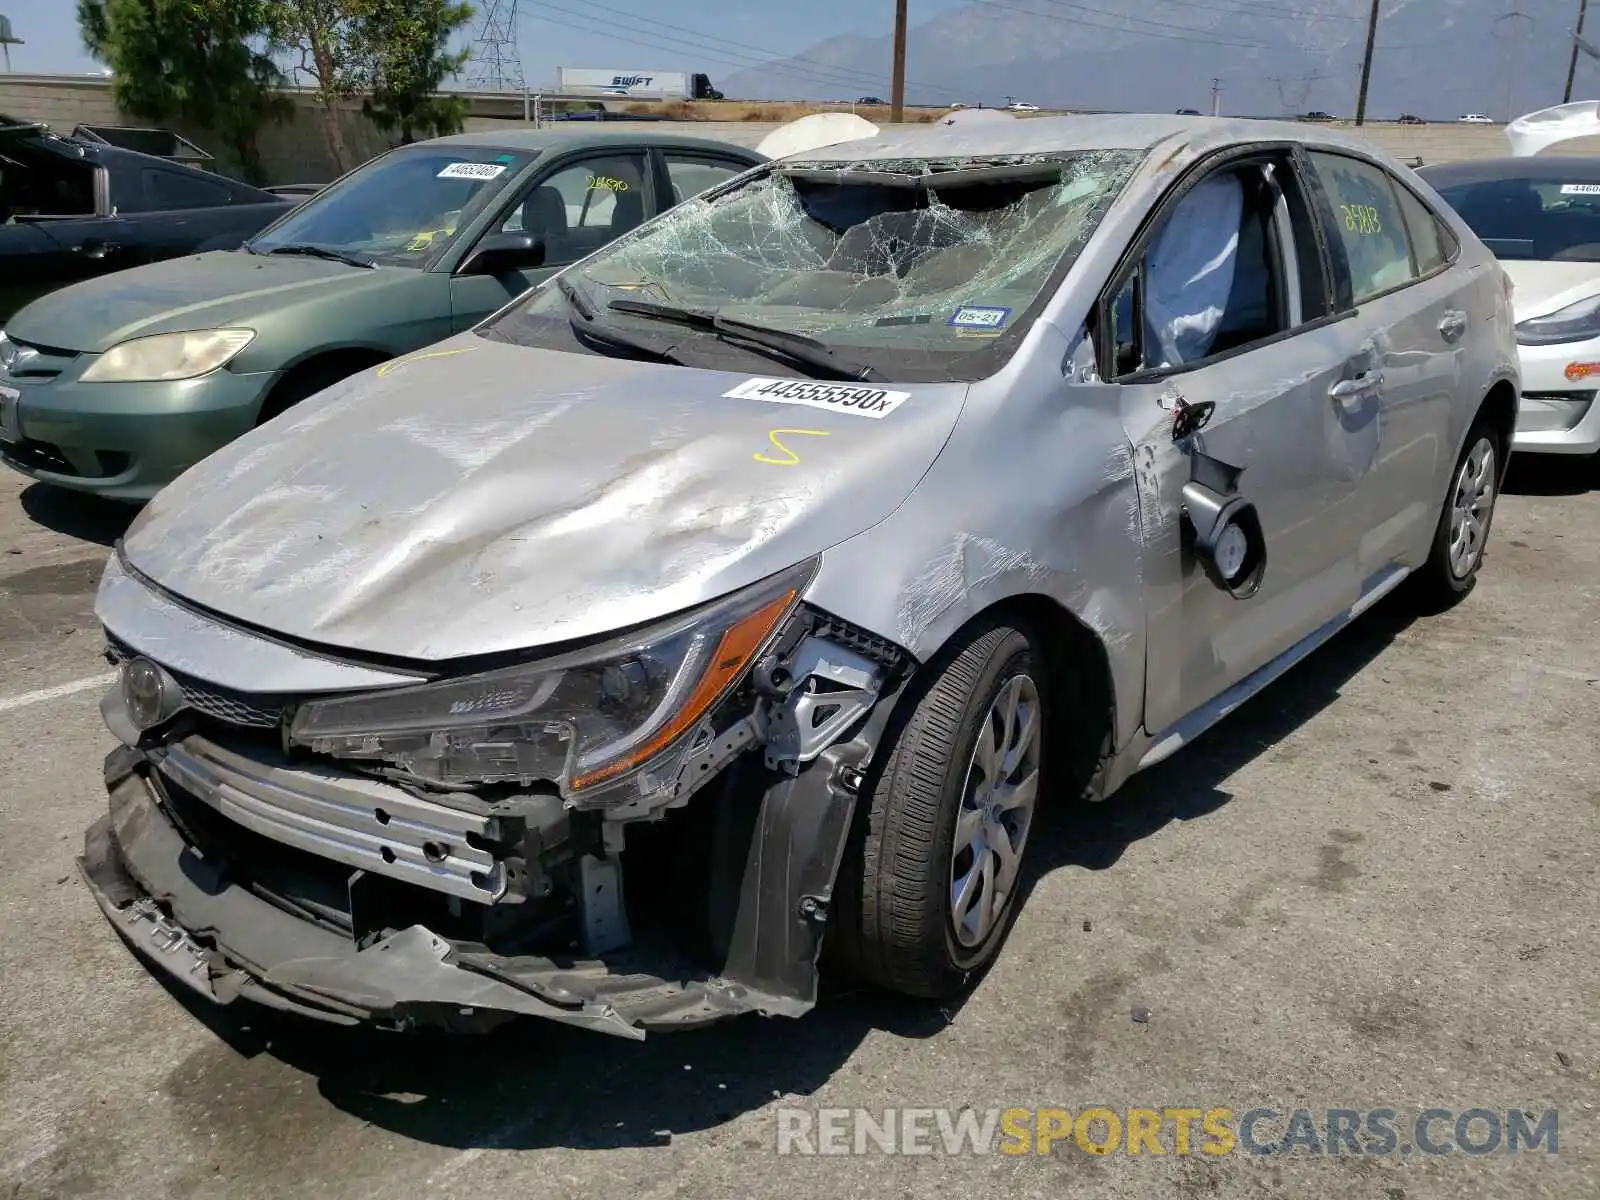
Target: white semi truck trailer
(638, 85)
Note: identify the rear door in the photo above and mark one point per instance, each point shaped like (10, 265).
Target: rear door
(1392, 262)
(1225, 304)
(577, 204)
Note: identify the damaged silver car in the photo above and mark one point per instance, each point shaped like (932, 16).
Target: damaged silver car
(749, 589)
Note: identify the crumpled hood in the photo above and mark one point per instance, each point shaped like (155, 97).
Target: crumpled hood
(201, 291)
(479, 497)
(1544, 287)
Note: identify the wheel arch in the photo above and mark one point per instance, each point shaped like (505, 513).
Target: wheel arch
(1079, 674)
(1499, 408)
(329, 363)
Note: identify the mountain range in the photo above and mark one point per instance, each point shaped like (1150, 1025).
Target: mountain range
(1436, 58)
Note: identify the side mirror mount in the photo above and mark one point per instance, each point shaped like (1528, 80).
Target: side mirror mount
(499, 253)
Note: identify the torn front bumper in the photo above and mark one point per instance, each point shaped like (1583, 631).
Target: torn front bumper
(224, 941)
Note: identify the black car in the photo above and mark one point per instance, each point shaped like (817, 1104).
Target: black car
(1410, 119)
(870, 100)
(1188, 112)
(71, 208)
(1317, 114)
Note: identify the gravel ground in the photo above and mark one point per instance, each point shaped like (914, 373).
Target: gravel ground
(1375, 885)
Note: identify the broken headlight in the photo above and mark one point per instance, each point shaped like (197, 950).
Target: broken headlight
(619, 715)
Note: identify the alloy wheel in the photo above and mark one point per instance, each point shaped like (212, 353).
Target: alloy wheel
(1471, 506)
(996, 814)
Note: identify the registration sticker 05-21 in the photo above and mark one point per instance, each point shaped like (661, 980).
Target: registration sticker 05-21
(838, 397)
(10, 427)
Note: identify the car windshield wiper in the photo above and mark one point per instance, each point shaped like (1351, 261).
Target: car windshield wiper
(321, 252)
(818, 359)
(585, 327)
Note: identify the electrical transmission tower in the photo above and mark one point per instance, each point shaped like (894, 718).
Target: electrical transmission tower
(1514, 46)
(1299, 88)
(496, 63)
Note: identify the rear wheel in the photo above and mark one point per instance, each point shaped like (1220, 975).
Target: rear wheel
(930, 889)
(1463, 532)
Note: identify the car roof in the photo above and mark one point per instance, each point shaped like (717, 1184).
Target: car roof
(1566, 168)
(1043, 135)
(546, 140)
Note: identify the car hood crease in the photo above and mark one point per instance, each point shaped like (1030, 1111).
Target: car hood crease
(481, 497)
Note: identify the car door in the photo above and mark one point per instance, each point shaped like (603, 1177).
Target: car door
(1220, 333)
(31, 264)
(1392, 264)
(575, 205)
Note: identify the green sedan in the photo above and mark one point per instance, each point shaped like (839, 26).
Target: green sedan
(118, 384)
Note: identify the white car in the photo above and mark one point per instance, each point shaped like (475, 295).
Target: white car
(1541, 218)
(1019, 106)
(1475, 119)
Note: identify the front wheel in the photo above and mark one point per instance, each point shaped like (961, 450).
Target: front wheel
(1463, 532)
(930, 888)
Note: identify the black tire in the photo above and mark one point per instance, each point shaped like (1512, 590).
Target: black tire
(1450, 573)
(896, 885)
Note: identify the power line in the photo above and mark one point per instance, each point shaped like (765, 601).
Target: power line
(765, 53)
(1270, 12)
(1181, 33)
(741, 60)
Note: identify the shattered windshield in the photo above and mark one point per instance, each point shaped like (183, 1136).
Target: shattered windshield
(402, 209)
(912, 268)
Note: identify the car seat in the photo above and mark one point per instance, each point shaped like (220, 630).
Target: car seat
(628, 211)
(544, 213)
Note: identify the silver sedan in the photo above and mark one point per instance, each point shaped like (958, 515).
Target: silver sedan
(756, 583)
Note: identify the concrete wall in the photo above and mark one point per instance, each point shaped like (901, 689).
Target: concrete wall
(296, 152)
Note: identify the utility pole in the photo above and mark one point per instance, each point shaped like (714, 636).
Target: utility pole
(1366, 65)
(1216, 97)
(897, 96)
(1572, 70)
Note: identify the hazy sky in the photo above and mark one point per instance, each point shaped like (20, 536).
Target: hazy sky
(661, 35)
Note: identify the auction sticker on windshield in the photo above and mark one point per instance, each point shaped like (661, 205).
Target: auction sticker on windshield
(472, 170)
(838, 397)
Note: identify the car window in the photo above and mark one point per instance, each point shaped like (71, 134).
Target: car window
(582, 205)
(1367, 223)
(172, 189)
(402, 209)
(924, 269)
(1519, 217)
(45, 185)
(690, 176)
(1430, 241)
(1210, 280)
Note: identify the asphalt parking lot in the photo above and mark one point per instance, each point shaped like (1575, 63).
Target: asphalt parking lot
(1378, 884)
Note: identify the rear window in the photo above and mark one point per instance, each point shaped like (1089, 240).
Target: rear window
(1555, 220)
